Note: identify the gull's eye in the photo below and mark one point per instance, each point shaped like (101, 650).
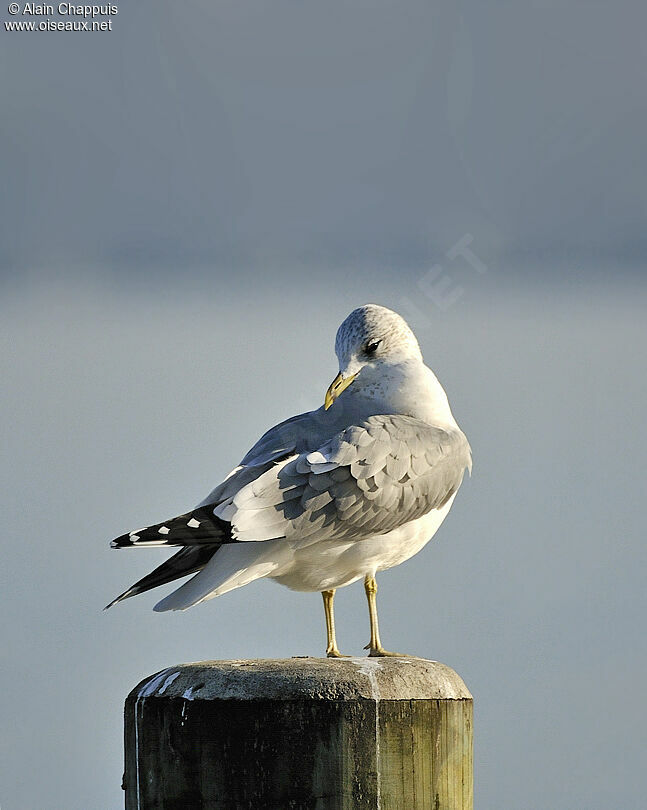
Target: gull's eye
(371, 347)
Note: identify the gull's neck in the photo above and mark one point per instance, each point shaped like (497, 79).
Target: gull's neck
(409, 388)
(425, 399)
(435, 405)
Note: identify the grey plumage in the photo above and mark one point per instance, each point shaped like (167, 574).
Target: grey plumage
(366, 480)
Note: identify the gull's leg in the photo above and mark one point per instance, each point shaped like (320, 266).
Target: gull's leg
(331, 641)
(374, 645)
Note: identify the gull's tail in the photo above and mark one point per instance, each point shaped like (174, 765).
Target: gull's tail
(219, 562)
(235, 565)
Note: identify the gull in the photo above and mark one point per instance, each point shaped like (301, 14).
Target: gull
(330, 496)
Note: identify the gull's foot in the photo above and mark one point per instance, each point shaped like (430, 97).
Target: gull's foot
(380, 652)
(334, 653)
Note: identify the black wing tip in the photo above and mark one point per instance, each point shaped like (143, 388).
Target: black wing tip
(199, 527)
(187, 561)
(131, 539)
(132, 591)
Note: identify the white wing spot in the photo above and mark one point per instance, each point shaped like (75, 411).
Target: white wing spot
(193, 523)
(316, 458)
(163, 530)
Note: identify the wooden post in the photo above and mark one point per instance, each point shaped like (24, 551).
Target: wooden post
(301, 733)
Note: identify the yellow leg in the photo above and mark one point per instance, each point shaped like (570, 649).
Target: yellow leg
(331, 641)
(374, 645)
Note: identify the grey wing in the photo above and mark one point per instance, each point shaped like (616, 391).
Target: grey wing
(201, 533)
(279, 442)
(367, 479)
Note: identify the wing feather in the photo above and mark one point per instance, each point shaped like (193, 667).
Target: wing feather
(367, 479)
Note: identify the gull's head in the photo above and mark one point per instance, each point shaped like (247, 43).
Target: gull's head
(371, 340)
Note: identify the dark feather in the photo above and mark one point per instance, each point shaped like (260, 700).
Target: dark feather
(197, 528)
(187, 561)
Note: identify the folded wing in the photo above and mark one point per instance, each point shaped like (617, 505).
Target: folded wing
(365, 480)
(368, 479)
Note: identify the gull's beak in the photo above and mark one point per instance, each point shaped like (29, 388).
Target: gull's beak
(336, 387)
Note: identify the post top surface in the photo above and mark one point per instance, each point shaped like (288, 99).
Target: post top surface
(307, 678)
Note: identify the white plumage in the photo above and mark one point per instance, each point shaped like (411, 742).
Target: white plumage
(333, 495)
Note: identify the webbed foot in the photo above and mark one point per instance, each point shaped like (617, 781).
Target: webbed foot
(334, 653)
(380, 652)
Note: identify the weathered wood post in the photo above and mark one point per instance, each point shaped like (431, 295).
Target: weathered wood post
(350, 734)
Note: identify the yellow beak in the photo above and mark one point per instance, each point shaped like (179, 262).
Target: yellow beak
(336, 387)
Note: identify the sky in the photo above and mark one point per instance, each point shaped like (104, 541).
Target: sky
(190, 205)
(246, 134)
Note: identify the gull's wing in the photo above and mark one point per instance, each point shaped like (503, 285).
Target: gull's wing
(188, 560)
(366, 480)
(294, 435)
(201, 533)
(205, 525)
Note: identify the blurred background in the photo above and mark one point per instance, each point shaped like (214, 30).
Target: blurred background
(191, 204)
